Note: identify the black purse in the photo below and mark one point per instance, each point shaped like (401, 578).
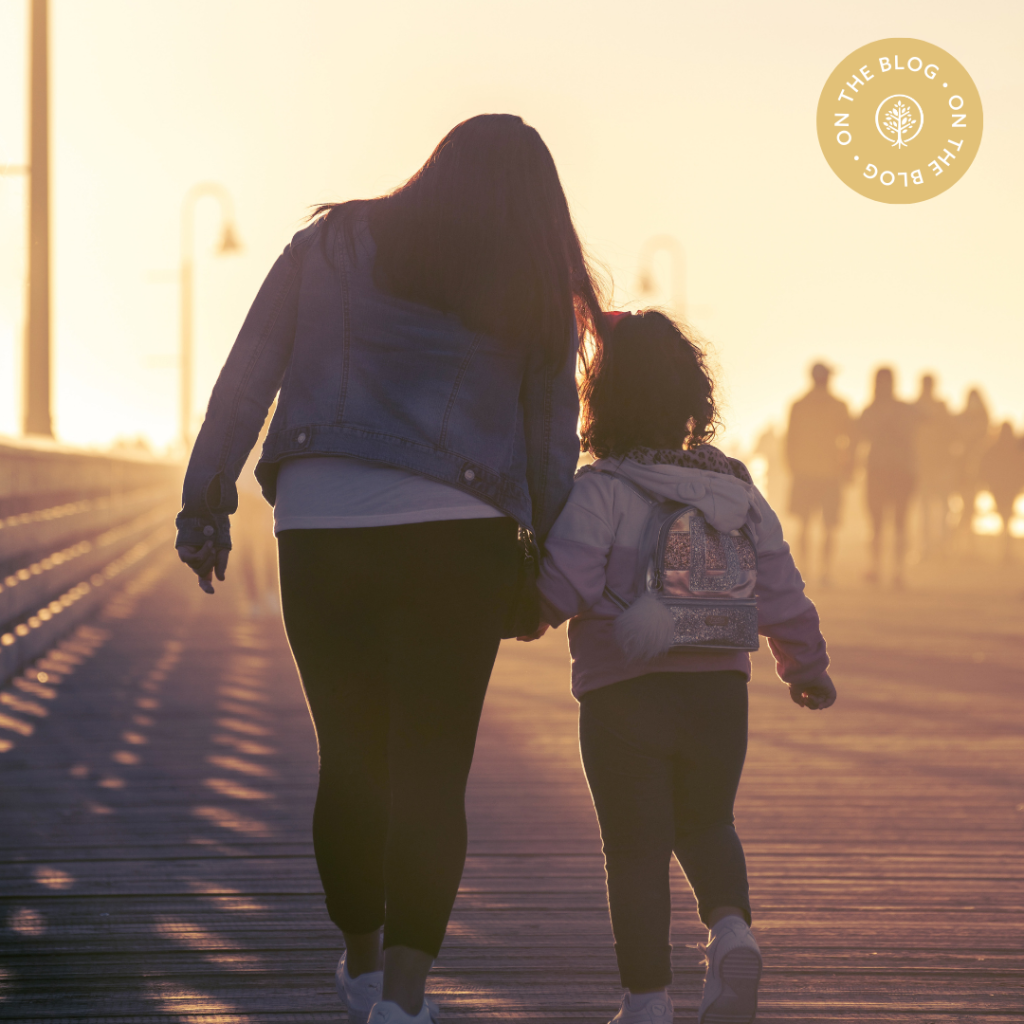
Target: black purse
(523, 616)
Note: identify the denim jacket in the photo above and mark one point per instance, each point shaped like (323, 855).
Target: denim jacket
(362, 373)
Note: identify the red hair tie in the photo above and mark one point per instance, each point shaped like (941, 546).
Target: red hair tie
(612, 318)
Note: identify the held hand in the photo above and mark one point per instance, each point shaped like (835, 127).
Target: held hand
(541, 630)
(204, 562)
(817, 696)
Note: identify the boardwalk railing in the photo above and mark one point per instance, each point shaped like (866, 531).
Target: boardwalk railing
(71, 523)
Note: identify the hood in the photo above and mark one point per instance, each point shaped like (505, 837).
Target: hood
(727, 503)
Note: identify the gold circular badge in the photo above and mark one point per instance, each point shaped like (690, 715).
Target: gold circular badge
(899, 121)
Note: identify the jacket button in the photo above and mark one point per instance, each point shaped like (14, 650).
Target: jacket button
(208, 531)
(301, 439)
(469, 475)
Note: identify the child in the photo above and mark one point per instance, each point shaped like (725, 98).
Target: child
(663, 740)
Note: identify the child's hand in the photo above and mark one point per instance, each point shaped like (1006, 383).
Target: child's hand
(817, 696)
(541, 630)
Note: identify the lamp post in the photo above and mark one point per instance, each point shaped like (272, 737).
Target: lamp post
(645, 275)
(36, 418)
(228, 244)
(35, 413)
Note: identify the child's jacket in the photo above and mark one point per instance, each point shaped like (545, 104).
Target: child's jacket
(593, 544)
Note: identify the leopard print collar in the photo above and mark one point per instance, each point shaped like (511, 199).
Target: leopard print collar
(705, 457)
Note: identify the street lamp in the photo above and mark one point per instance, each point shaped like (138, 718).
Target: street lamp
(229, 243)
(645, 275)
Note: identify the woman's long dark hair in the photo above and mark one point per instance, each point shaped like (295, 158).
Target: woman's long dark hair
(646, 386)
(483, 230)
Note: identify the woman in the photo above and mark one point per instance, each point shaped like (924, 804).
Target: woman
(425, 346)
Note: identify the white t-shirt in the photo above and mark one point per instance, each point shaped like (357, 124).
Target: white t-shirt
(331, 492)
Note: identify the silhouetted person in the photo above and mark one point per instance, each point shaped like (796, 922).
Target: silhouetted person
(1002, 472)
(887, 425)
(769, 447)
(818, 450)
(971, 440)
(423, 348)
(935, 436)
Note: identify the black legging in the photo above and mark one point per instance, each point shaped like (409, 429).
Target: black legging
(395, 630)
(663, 755)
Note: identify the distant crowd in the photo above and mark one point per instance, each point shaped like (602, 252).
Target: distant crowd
(920, 449)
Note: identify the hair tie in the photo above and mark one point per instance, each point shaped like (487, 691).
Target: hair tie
(612, 318)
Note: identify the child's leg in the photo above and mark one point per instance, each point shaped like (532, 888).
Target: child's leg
(631, 782)
(707, 772)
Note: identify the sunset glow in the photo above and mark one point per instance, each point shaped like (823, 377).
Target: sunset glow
(688, 120)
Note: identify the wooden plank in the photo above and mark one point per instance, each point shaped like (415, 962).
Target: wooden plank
(177, 883)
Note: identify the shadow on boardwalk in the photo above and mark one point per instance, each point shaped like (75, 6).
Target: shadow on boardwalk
(156, 862)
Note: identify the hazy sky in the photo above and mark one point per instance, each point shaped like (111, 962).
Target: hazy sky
(690, 119)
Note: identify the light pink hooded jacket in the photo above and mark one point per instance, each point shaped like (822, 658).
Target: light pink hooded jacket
(593, 544)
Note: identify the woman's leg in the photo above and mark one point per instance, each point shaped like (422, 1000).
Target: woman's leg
(445, 638)
(446, 622)
(712, 711)
(630, 780)
(331, 612)
(414, 614)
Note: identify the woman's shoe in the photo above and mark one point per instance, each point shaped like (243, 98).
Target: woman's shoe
(733, 972)
(656, 1010)
(392, 1013)
(358, 994)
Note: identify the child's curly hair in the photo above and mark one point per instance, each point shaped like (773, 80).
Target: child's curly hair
(646, 385)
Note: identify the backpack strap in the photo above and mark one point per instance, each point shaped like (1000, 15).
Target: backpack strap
(647, 497)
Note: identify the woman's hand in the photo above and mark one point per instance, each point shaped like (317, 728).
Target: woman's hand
(817, 696)
(541, 630)
(204, 562)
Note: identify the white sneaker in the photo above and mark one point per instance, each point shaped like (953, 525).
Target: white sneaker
(733, 971)
(392, 1013)
(358, 994)
(657, 1010)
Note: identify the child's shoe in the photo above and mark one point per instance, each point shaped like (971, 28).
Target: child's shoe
(733, 972)
(358, 994)
(392, 1013)
(650, 1008)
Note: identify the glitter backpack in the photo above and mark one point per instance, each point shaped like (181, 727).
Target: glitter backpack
(694, 585)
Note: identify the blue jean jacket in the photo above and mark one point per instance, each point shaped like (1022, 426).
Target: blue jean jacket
(364, 374)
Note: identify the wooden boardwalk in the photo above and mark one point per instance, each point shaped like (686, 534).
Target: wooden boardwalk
(155, 861)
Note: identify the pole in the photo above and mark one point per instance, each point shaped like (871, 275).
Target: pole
(186, 350)
(187, 271)
(36, 417)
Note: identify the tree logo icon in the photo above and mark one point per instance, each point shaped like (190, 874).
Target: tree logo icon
(899, 119)
(872, 128)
